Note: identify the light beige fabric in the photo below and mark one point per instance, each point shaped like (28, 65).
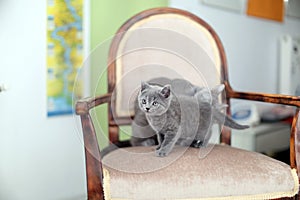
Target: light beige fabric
(167, 45)
(225, 173)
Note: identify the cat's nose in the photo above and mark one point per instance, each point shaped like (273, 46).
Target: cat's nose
(147, 109)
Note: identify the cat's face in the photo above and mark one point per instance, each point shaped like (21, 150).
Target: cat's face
(154, 100)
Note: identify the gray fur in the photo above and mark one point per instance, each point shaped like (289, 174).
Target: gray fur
(173, 118)
(183, 119)
(142, 133)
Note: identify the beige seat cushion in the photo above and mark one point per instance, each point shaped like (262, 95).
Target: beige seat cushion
(225, 173)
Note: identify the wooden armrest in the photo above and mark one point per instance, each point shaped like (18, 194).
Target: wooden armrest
(278, 99)
(92, 152)
(84, 105)
(263, 97)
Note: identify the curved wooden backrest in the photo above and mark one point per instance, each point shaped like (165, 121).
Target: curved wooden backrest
(160, 42)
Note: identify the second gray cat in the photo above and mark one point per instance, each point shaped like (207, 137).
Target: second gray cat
(181, 119)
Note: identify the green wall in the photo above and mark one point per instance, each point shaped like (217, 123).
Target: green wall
(106, 17)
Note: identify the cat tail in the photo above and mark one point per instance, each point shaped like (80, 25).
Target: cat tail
(229, 122)
(232, 124)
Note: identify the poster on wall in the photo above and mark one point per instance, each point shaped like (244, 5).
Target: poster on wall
(64, 54)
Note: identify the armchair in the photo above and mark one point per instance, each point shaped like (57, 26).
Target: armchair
(175, 43)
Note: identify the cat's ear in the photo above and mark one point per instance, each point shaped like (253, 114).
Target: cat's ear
(166, 91)
(218, 89)
(144, 86)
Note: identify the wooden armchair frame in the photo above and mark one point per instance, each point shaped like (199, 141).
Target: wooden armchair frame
(92, 152)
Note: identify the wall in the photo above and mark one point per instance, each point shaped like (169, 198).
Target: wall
(40, 158)
(251, 44)
(43, 158)
(106, 17)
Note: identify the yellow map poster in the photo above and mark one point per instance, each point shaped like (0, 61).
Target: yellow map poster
(64, 54)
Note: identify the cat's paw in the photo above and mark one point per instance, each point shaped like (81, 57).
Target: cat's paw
(160, 154)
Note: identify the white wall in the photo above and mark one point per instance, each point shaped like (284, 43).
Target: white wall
(40, 158)
(251, 44)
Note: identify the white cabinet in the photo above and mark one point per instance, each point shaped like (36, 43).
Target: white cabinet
(266, 137)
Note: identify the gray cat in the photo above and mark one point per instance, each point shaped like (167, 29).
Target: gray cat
(142, 133)
(181, 119)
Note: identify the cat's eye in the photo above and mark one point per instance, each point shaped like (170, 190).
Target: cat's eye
(154, 103)
(143, 101)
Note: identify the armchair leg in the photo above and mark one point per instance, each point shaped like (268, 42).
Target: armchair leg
(94, 178)
(93, 160)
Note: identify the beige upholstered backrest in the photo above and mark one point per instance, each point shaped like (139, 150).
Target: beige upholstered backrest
(172, 44)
